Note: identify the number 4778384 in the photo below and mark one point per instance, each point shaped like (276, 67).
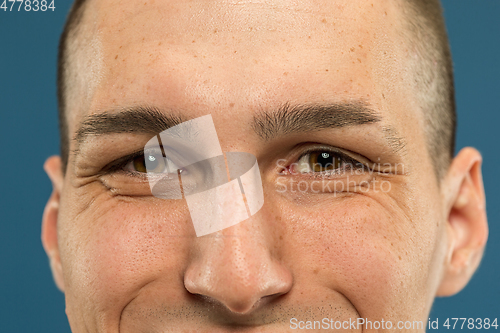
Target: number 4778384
(28, 5)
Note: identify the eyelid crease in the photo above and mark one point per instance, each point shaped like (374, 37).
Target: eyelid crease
(120, 163)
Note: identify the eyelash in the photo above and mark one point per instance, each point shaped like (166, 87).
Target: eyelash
(120, 164)
(344, 159)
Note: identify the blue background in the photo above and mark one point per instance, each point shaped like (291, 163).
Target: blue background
(29, 300)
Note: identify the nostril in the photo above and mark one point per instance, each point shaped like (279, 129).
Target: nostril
(236, 296)
(240, 274)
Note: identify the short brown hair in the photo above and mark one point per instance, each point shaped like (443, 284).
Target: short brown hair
(431, 62)
(70, 32)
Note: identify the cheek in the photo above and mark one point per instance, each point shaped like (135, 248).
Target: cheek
(356, 247)
(130, 245)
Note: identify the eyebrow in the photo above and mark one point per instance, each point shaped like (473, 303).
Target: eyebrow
(290, 119)
(141, 119)
(287, 119)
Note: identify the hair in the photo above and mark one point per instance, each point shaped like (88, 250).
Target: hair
(71, 32)
(430, 61)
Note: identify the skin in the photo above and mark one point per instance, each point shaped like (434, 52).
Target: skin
(130, 263)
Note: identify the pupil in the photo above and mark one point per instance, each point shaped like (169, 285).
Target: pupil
(152, 163)
(325, 159)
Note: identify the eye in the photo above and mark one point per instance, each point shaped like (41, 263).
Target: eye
(324, 161)
(152, 163)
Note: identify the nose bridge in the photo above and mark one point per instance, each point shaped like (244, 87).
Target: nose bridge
(243, 251)
(235, 267)
(234, 256)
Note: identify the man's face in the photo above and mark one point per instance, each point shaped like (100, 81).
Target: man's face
(131, 262)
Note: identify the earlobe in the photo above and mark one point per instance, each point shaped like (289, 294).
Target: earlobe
(467, 226)
(50, 216)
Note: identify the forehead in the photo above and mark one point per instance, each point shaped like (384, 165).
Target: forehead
(256, 17)
(174, 54)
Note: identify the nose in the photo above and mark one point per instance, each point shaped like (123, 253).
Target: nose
(236, 268)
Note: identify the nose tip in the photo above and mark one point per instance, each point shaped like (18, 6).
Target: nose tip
(237, 272)
(237, 293)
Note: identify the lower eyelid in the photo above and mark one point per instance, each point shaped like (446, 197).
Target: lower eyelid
(132, 173)
(353, 162)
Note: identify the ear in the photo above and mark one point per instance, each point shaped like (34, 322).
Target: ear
(53, 169)
(467, 226)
